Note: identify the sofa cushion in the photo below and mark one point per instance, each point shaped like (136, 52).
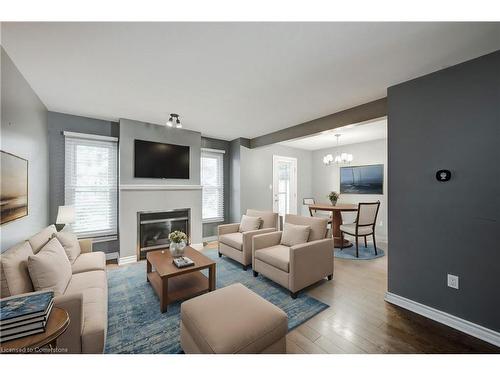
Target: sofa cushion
(294, 234)
(233, 320)
(318, 225)
(41, 238)
(277, 256)
(235, 240)
(50, 269)
(15, 274)
(351, 229)
(95, 261)
(269, 218)
(70, 244)
(93, 287)
(249, 223)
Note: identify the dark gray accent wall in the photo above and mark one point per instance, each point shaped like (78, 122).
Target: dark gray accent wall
(24, 134)
(360, 113)
(235, 178)
(447, 120)
(210, 229)
(57, 124)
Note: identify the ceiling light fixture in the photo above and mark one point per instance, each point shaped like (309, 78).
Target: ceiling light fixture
(340, 158)
(174, 121)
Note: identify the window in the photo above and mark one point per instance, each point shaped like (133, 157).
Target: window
(91, 173)
(212, 181)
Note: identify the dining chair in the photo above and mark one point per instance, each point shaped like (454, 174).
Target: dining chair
(308, 201)
(364, 225)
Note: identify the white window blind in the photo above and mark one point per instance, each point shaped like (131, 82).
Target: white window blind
(212, 181)
(91, 177)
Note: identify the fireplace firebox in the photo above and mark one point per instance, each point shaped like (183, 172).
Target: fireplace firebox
(153, 228)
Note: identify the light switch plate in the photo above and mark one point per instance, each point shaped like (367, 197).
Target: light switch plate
(453, 281)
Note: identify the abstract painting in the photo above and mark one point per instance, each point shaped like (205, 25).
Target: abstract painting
(14, 187)
(363, 179)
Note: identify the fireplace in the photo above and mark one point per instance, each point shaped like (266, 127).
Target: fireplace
(153, 228)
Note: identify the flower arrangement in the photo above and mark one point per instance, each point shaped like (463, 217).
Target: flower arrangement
(333, 197)
(177, 236)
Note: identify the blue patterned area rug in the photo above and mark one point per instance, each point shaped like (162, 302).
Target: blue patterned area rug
(136, 325)
(365, 253)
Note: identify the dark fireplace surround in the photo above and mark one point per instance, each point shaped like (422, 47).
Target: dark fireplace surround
(153, 228)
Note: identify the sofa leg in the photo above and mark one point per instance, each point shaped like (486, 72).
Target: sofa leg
(293, 295)
(220, 255)
(245, 268)
(330, 277)
(255, 274)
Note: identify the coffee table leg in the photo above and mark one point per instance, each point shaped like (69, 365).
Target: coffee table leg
(211, 277)
(148, 269)
(164, 295)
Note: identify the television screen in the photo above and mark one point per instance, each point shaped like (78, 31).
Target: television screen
(160, 160)
(364, 179)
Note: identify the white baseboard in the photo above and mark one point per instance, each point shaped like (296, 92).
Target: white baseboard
(127, 260)
(210, 239)
(452, 321)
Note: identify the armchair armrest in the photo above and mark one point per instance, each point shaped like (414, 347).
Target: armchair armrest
(227, 228)
(262, 241)
(85, 245)
(71, 338)
(310, 262)
(248, 237)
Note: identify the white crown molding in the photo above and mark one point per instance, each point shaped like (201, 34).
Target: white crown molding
(452, 321)
(140, 187)
(127, 260)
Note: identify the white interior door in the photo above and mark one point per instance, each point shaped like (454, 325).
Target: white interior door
(284, 185)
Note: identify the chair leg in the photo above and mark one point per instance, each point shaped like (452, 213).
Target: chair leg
(330, 277)
(293, 295)
(341, 241)
(365, 242)
(220, 255)
(255, 274)
(357, 253)
(245, 268)
(374, 243)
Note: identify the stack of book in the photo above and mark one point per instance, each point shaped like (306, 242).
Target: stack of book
(24, 315)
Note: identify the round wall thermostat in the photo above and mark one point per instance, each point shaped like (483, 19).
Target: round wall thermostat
(443, 175)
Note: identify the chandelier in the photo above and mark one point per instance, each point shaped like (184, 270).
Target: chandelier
(339, 158)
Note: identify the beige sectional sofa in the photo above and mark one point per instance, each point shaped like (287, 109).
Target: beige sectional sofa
(85, 297)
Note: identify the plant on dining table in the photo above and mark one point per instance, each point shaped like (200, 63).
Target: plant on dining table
(333, 197)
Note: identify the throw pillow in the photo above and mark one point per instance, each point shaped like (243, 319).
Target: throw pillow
(294, 234)
(249, 223)
(70, 244)
(50, 269)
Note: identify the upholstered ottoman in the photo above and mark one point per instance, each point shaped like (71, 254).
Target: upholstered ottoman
(232, 320)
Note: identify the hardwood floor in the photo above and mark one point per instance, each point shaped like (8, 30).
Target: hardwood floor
(360, 321)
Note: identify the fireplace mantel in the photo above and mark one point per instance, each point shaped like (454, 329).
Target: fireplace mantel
(159, 187)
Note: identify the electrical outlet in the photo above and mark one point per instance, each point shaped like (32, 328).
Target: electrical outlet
(453, 281)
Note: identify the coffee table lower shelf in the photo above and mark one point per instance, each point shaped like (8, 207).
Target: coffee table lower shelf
(178, 288)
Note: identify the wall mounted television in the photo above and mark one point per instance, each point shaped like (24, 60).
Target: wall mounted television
(160, 160)
(363, 179)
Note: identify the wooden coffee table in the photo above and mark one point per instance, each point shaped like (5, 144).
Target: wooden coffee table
(175, 284)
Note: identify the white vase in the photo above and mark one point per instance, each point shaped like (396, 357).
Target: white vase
(177, 248)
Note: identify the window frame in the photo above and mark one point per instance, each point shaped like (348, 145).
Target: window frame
(219, 154)
(111, 188)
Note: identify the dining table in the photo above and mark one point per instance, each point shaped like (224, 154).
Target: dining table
(336, 211)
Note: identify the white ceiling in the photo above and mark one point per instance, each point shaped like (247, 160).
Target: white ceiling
(355, 133)
(230, 80)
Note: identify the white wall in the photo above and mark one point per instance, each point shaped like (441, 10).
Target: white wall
(257, 176)
(327, 178)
